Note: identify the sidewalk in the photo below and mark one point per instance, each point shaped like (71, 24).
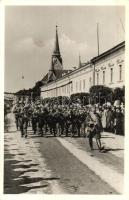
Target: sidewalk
(113, 142)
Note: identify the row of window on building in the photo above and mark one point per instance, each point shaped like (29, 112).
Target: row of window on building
(59, 91)
(68, 89)
(111, 75)
(81, 85)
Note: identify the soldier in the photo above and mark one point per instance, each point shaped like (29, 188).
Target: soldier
(95, 127)
(59, 117)
(41, 121)
(16, 111)
(35, 116)
(51, 120)
(80, 118)
(73, 118)
(67, 121)
(45, 118)
(23, 121)
(30, 111)
(34, 120)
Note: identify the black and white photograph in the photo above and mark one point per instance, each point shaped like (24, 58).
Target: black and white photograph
(64, 99)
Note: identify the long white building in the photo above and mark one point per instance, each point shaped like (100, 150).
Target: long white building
(106, 69)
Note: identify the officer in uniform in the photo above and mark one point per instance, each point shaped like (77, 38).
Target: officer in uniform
(95, 128)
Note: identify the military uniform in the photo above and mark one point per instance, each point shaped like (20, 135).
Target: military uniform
(16, 112)
(23, 123)
(73, 117)
(95, 128)
(59, 120)
(51, 119)
(42, 122)
(67, 122)
(34, 121)
(80, 118)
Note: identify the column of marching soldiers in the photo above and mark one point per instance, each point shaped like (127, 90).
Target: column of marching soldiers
(65, 120)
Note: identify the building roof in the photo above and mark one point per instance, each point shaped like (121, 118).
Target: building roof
(108, 52)
(58, 74)
(45, 78)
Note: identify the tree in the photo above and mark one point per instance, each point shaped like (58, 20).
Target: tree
(83, 98)
(100, 94)
(36, 90)
(60, 100)
(119, 94)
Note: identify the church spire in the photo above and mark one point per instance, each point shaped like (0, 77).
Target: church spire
(56, 62)
(56, 48)
(56, 56)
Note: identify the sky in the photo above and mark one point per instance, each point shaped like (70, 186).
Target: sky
(30, 36)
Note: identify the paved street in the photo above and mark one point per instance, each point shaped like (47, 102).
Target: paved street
(61, 165)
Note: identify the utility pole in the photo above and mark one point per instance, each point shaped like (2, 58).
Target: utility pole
(99, 97)
(122, 25)
(56, 87)
(98, 37)
(22, 86)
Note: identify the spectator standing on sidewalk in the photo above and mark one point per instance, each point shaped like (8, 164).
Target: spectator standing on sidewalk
(118, 121)
(109, 119)
(104, 118)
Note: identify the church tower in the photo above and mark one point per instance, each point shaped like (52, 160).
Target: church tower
(56, 62)
(56, 56)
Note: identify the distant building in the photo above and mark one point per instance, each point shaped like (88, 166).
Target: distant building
(9, 101)
(9, 96)
(106, 69)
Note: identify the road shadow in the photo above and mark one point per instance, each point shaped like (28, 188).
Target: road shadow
(105, 150)
(14, 183)
(44, 136)
(9, 131)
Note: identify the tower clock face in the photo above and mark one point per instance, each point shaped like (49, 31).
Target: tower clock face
(55, 61)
